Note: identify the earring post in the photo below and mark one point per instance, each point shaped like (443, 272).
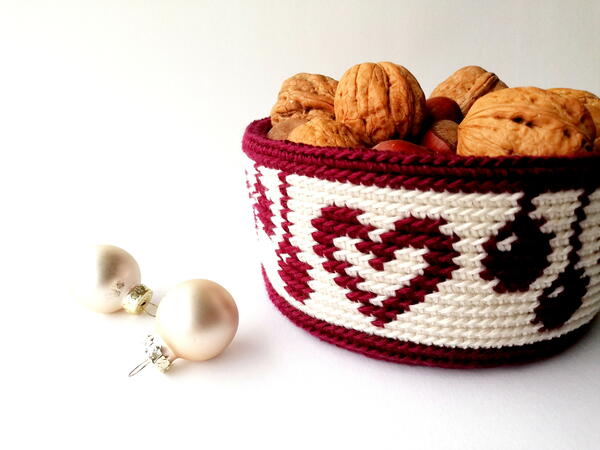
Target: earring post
(141, 366)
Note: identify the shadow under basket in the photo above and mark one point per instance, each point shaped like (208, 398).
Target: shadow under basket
(428, 259)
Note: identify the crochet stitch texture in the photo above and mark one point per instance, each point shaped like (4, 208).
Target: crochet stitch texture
(428, 259)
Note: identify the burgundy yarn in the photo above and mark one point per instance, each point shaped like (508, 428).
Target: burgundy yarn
(263, 207)
(418, 354)
(409, 232)
(514, 269)
(438, 172)
(528, 257)
(292, 271)
(554, 311)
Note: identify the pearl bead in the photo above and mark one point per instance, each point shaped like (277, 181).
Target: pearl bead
(106, 275)
(197, 319)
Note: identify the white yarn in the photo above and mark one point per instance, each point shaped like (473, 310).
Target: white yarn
(465, 311)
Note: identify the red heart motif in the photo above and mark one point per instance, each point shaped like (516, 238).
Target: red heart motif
(410, 232)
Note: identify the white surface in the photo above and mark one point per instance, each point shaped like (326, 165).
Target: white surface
(120, 122)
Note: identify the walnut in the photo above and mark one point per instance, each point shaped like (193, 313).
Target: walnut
(466, 85)
(324, 133)
(380, 101)
(305, 95)
(590, 101)
(526, 121)
(281, 130)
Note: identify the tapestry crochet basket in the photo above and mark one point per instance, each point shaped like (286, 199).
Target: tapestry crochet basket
(434, 260)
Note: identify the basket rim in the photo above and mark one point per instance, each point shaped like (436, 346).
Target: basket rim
(256, 143)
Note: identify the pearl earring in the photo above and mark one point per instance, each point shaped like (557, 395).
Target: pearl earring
(110, 281)
(196, 320)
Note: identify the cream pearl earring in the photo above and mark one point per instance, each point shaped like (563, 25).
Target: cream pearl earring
(196, 320)
(110, 280)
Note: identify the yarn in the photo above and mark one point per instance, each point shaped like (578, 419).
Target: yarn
(428, 259)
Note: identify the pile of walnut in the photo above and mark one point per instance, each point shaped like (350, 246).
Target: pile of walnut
(472, 113)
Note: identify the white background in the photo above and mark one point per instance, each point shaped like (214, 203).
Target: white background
(121, 122)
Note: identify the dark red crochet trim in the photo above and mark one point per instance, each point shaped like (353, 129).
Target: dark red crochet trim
(418, 354)
(448, 173)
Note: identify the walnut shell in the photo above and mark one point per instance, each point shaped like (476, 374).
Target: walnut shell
(305, 95)
(281, 130)
(525, 121)
(324, 133)
(380, 101)
(466, 85)
(590, 101)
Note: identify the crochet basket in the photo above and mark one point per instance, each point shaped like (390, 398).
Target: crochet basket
(432, 260)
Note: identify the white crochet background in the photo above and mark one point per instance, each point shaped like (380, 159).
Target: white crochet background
(465, 311)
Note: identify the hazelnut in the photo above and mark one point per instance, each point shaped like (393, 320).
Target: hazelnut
(443, 108)
(398, 145)
(526, 121)
(324, 133)
(441, 137)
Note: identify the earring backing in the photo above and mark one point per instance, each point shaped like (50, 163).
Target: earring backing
(110, 280)
(196, 320)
